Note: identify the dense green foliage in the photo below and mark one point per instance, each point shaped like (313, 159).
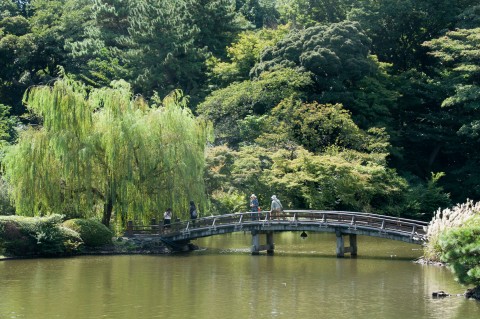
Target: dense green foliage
(39, 236)
(340, 166)
(92, 232)
(365, 105)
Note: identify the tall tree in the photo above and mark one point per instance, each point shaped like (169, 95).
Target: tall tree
(261, 13)
(399, 27)
(17, 48)
(106, 154)
(458, 52)
(32, 45)
(157, 46)
(307, 13)
(243, 55)
(228, 107)
(337, 58)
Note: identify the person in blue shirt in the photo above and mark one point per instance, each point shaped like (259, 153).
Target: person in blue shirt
(254, 206)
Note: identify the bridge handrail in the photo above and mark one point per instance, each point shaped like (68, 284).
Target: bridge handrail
(386, 217)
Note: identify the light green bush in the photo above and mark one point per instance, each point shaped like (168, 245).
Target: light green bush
(92, 232)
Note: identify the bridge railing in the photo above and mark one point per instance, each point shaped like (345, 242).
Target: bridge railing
(321, 218)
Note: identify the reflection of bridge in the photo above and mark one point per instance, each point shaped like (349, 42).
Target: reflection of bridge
(338, 222)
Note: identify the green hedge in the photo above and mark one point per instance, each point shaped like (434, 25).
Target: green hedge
(92, 232)
(37, 236)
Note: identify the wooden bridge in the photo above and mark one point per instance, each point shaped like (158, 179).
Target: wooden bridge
(342, 223)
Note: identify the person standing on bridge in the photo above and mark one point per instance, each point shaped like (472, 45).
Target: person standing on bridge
(167, 218)
(254, 206)
(276, 208)
(193, 212)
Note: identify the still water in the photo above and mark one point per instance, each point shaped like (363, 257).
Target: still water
(302, 280)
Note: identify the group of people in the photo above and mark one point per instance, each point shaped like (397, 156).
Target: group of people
(275, 209)
(167, 216)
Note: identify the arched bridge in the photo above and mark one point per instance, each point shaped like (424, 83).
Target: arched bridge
(341, 223)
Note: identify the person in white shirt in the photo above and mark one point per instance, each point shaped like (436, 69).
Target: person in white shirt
(276, 208)
(167, 218)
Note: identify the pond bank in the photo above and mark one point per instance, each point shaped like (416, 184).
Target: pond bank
(119, 246)
(471, 293)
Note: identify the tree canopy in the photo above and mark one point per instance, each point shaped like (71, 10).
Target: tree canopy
(388, 85)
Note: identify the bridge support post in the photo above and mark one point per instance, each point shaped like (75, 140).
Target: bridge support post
(255, 244)
(353, 245)
(340, 244)
(269, 246)
(341, 249)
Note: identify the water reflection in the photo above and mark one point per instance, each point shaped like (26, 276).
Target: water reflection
(302, 280)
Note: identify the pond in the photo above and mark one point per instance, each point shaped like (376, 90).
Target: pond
(303, 279)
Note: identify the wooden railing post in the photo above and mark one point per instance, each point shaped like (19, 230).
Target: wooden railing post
(413, 230)
(153, 225)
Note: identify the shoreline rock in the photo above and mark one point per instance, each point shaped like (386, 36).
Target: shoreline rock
(423, 261)
(473, 293)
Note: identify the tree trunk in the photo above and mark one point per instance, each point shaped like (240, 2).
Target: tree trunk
(107, 212)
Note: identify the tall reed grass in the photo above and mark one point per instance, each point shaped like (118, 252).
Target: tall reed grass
(447, 219)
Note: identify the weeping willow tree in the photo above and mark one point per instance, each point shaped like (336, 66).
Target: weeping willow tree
(106, 154)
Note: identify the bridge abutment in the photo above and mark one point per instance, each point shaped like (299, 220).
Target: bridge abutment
(257, 247)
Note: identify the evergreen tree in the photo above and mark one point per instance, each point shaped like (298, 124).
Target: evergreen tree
(459, 73)
(32, 43)
(399, 27)
(157, 46)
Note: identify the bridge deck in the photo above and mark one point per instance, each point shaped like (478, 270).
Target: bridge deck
(389, 227)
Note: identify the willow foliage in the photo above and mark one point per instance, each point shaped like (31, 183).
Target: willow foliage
(106, 154)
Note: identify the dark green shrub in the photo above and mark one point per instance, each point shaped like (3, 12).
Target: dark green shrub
(92, 232)
(37, 236)
(460, 250)
(53, 239)
(14, 242)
